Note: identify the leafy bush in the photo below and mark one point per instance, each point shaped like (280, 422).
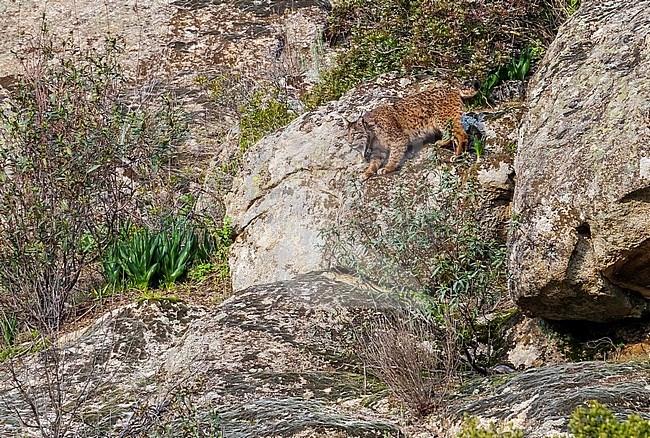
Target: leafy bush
(261, 115)
(463, 38)
(427, 245)
(595, 421)
(428, 240)
(147, 258)
(259, 108)
(66, 137)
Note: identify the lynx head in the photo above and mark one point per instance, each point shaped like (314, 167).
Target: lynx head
(469, 89)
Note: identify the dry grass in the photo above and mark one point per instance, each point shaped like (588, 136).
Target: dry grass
(417, 360)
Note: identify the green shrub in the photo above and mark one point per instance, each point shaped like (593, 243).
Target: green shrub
(66, 132)
(479, 146)
(596, 421)
(465, 39)
(428, 240)
(261, 115)
(472, 429)
(258, 107)
(427, 246)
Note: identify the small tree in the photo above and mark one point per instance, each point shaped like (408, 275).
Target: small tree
(72, 155)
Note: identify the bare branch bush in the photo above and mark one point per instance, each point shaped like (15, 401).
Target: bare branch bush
(73, 155)
(77, 154)
(417, 359)
(50, 391)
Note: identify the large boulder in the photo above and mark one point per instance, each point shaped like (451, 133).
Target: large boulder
(580, 249)
(273, 360)
(540, 401)
(299, 182)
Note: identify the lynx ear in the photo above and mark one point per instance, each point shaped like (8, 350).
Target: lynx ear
(355, 127)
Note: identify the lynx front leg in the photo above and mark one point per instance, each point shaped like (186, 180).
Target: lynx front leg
(397, 147)
(372, 169)
(377, 156)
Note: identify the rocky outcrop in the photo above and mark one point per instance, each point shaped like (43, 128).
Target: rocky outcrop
(99, 372)
(300, 181)
(540, 400)
(581, 245)
(175, 46)
(275, 360)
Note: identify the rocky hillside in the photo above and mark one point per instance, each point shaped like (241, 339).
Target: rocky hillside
(324, 266)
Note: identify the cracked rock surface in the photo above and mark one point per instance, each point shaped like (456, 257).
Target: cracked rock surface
(274, 360)
(581, 249)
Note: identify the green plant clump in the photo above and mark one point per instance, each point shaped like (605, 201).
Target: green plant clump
(467, 38)
(516, 69)
(596, 421)
(261, 115)
(146, 258)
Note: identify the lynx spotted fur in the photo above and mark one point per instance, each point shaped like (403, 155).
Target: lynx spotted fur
(392, 127)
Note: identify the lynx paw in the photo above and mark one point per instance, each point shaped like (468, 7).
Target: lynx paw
(382, 171)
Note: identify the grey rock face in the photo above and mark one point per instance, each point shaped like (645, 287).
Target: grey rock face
(275, 360)
(301, 180)
(102, 371)
(582, 200)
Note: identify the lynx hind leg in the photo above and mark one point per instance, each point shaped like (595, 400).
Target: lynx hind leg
(397, 148)
(459, 137)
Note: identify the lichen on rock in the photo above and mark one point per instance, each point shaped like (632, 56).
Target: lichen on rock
(582, 204)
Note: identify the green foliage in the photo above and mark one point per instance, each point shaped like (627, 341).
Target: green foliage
(570, 7)
(465, 37)
(596, 421)
(261, 115)
(219, 256)
(479, 146)
(30, 341)
(259, 107)
(8, 329)
(65, 133)
(516, 69)
(593, 421)
(135, 258)
(473, 429)
(146, 257)
(433, 248)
